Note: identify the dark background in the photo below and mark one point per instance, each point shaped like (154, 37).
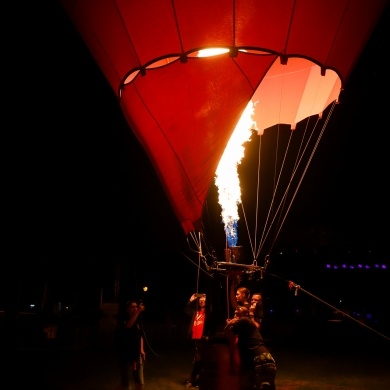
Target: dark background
(89, 221)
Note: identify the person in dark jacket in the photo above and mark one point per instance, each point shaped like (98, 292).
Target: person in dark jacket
(257, 368)
(131, 346)
(196, 310)
(256, 312)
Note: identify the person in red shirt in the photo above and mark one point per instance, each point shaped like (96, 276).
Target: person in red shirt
(196, 309)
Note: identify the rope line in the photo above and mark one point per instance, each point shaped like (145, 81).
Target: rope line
(297, 288)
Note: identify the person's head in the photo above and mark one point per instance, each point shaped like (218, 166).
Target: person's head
(241, 311)
(242, 295)
(202, 300)
(256, 299)
(131, 306)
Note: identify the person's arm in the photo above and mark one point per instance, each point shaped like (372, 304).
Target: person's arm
(233, 286)
(192, 298)
(256, 314)
(142, 348)
(130, 321)
(190, 308)
(230, 323)
(257, 324)
(234, 358)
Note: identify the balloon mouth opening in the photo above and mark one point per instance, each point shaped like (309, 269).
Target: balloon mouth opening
(194, 53)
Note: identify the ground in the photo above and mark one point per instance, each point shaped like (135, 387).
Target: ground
(167, 368)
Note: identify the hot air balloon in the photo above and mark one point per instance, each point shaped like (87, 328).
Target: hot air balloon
(184, 73)
(183, 100)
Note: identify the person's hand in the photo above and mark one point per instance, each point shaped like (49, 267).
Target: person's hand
(193, 297)
(234, 320)
(230, 323)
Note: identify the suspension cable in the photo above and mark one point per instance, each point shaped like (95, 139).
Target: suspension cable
(297, 288)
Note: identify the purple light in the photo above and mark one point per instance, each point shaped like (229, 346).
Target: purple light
(358, 266)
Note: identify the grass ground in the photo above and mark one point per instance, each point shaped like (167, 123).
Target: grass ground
(168, 368)
(343, 359)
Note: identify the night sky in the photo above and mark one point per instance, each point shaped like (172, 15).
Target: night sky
(85, 202)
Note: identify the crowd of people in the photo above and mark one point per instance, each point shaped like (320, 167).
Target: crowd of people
(249, 357)
(251, 361)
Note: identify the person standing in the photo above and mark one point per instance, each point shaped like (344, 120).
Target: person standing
(131, 346)
(239, 295)
(256, 312)
(257, 366)
(196, 310)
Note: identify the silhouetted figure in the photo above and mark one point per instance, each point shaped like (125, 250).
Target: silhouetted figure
(257, 368)
(131, 346)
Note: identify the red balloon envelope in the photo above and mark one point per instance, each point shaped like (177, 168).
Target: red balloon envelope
(183, 107)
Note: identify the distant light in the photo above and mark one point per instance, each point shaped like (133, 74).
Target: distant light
(145, 288)
(32, 305)
(360, 266)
